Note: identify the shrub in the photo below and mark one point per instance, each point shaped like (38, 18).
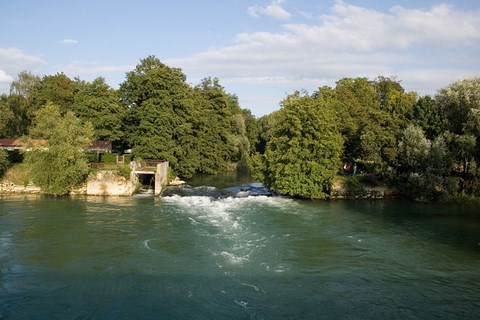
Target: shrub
(3, 161)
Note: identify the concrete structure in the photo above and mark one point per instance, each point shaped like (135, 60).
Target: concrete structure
(157, 168)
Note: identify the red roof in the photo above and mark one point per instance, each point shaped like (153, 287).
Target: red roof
(100, 145)
(18, 144)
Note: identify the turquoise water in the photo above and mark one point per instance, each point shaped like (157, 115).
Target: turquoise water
(237, 258)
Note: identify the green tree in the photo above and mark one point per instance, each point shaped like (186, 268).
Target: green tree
(303, 152)
(4, 162)
(58, 89)
(369, 126)
(25, 85)
(459, 103)
(17, 109)
(427, 115)
(159, 102)
(60, 163)
(413, 150)
(251, 130)
(7, 116)
(99, 104)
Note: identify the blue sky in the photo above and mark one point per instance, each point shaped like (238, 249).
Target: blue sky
(260, 50)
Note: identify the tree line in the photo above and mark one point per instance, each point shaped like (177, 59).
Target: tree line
(155, 112)
(427, 147)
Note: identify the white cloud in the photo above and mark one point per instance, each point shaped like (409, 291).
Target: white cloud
(88, 67)
(350, 41)
(4, 77)
(273, 10)
(14, 60)
(69, 41)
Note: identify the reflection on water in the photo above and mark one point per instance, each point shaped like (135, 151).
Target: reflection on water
(206, 257)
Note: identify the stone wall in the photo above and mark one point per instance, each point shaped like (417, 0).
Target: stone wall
(340, 191)
(7, 187)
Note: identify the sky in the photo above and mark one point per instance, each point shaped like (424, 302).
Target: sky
(260, 50)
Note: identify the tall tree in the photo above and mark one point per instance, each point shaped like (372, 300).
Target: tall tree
(303, 152)
(99, 104)
(58, 89)
(60, 163)
(459, 103)
(427, 115)
(158, 99)
(25, 85)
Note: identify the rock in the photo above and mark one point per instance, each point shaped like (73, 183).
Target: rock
(176, 182)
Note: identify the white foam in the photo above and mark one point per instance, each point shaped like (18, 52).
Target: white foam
(233, 259)
(241, 303)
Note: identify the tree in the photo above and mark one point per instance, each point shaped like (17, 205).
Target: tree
(99, 104)
(7, 116)
(367, 121)
(427, 115)
(58, 89)
(251, 130)
(303, 152)
(4, 162)
(459, 103)
(413, 150)
(25, 85)
(158, 100)
(17, 109)
(60, 163)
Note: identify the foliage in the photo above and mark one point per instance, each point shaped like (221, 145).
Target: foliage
(428, 147)
(124, 171)
(18, 174)
(413, 150)
(428, 116)
(459, 102)
(109, 158)
(157, 98)
(60, 163)
(199, 129)
(100, 105)
(57, 89)
(4, 162)
(303, 152)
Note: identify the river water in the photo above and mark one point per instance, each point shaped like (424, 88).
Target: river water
(200, 257)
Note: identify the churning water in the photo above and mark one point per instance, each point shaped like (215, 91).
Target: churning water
(207, 257)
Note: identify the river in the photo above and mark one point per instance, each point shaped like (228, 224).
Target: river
(199, 257)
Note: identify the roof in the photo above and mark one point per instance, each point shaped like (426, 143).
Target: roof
(17, 144)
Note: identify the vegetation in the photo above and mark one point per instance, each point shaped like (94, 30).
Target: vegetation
(3, 161)
(427, 147)
(60, 163)
(304, 148)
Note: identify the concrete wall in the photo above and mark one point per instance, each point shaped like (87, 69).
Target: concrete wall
(161, 177)
(109, 183)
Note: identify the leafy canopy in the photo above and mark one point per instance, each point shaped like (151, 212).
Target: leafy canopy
(60, 164)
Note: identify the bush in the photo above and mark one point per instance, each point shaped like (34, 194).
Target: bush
(18, 174)
(124, 171)
(3, 161)
(109, 157)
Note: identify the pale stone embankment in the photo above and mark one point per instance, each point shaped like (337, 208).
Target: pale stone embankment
(100, 183)
(340, 190)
